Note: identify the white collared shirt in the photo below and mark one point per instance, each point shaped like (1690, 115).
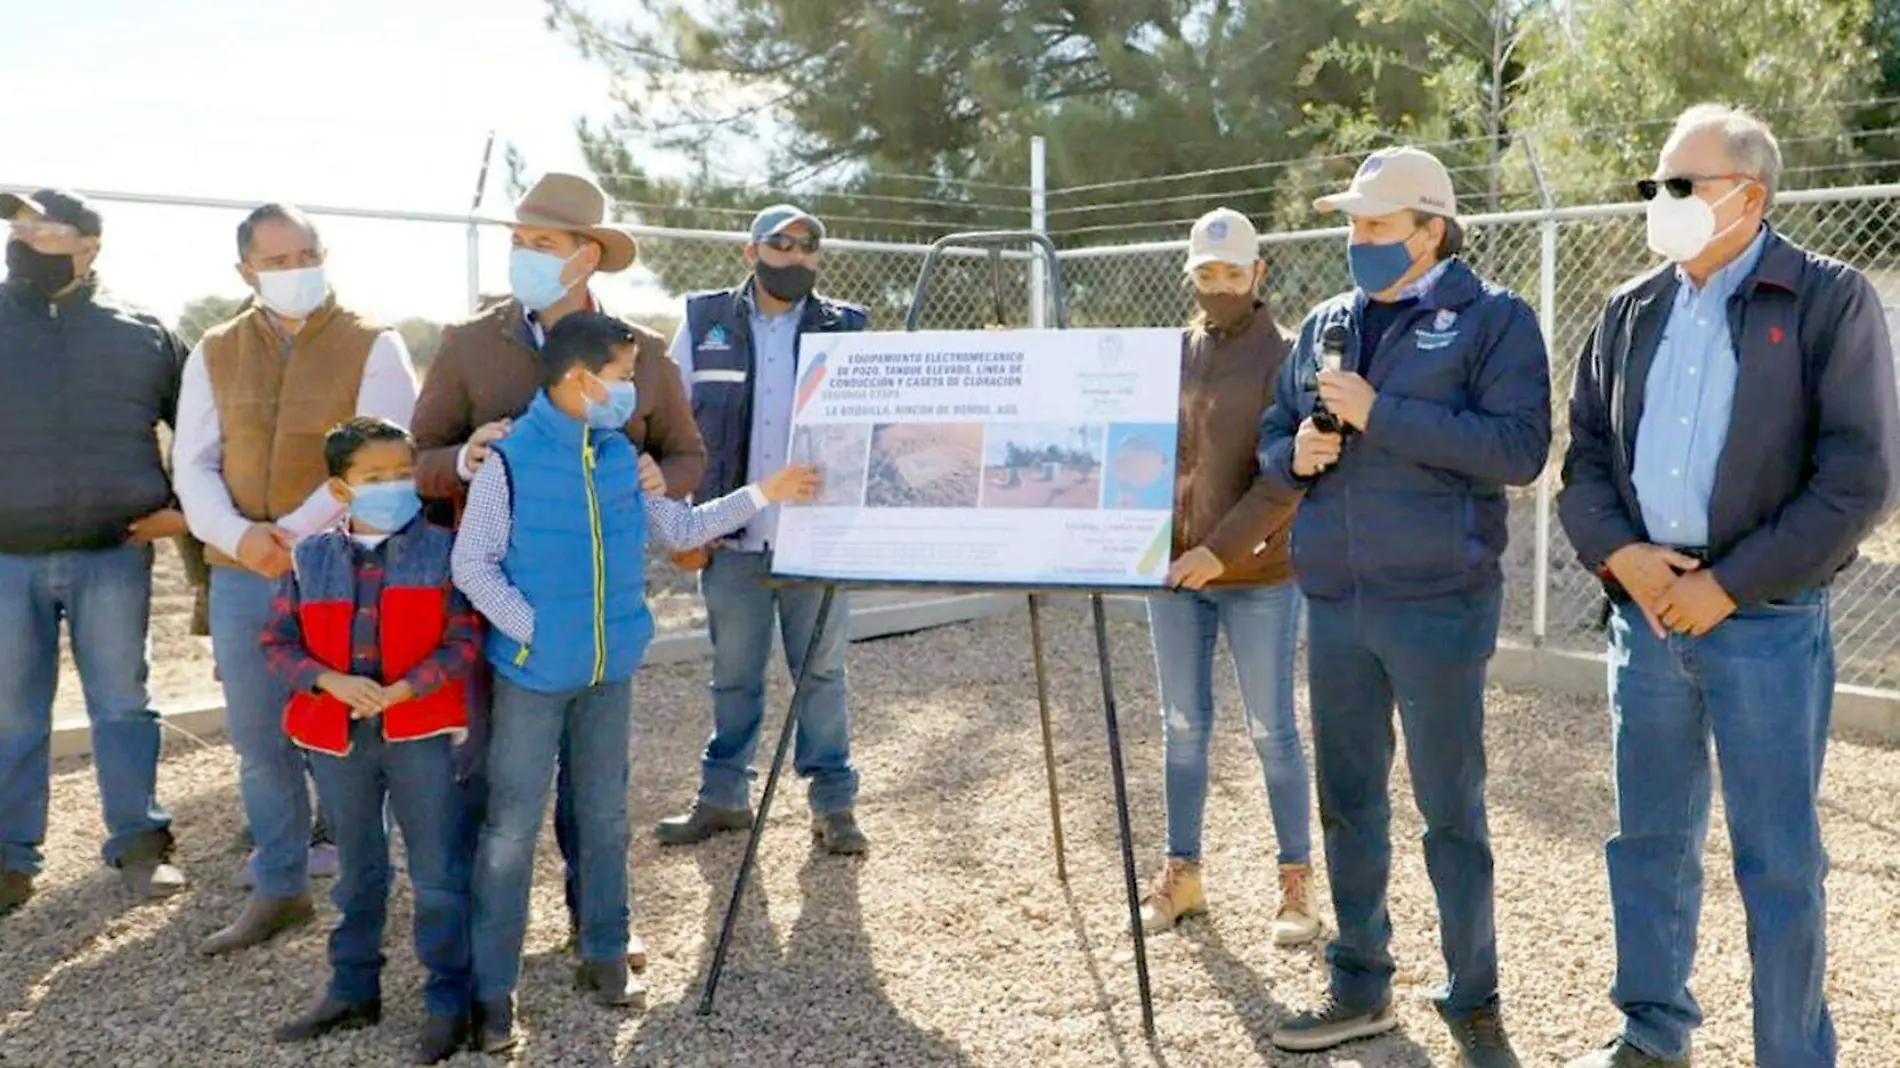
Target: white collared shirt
(388, 391)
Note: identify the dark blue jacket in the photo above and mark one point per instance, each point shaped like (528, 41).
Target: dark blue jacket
(1415, 506)
(1809, 465)
(719, 325)
(84, 383)
(577, 553)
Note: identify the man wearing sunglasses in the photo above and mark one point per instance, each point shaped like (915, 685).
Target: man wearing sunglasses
(738, 349)
(1733, 438)
(83, 495)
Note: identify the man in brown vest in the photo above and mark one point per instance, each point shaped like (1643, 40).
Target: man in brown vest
(485, 375)
(259, 394)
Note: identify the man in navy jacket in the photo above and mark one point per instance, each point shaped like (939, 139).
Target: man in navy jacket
(1439, 400)
(1733, 438)
(83, 495)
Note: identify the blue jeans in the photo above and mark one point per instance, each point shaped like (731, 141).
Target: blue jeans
(525, 737)
(739, 613)
(417, 780)
(270, 768)
(567, 830)
(1762, 685)
(105, 598)
(1429, 657)
(1262, 624)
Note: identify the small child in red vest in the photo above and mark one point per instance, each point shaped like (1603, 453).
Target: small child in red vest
(377, 647)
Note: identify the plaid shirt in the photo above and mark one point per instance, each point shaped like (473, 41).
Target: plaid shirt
(488, 523)
(292, 663)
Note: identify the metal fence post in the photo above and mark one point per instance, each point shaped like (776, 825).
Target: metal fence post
(474, 228)
(1547, 323)
(1039, 222)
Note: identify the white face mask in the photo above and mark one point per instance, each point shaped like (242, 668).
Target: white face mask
(293, 294)
(1679, 229)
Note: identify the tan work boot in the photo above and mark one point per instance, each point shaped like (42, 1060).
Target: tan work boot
(1297, 922)
(1176, 895)
(263, 919)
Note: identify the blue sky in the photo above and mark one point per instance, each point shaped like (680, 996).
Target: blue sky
(370, 103)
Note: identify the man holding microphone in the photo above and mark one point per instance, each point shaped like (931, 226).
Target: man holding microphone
(1439, 399)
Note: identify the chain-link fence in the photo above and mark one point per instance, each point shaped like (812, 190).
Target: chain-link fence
(880, 277)
(1564, 261)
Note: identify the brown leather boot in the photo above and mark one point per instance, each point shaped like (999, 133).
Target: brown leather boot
(145, 868)
(636, 946)
(15, 888)
(611, 983)
(263, 919)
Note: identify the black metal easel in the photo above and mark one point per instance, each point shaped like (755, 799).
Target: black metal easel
(994, 242)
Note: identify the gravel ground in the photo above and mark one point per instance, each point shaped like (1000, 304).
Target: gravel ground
(952, 943)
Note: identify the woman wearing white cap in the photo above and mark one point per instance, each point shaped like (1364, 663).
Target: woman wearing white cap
(1231, 572)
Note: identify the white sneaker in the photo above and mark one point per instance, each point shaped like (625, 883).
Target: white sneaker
(1297, 922)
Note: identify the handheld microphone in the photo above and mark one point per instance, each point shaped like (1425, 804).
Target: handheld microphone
(1332, 357)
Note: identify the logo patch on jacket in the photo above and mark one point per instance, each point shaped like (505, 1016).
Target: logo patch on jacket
(1442, 333)
(716, 338)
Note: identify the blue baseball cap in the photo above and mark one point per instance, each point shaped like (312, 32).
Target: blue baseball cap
(776, 218)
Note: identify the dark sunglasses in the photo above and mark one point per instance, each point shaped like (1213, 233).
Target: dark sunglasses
(788, 243)
(1682, 186)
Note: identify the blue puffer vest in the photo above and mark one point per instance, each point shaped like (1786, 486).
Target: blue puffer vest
(720, 326)
(577, 553)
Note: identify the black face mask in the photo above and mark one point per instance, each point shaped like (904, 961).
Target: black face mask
(41, 274)
(791, 284)
(1225, 311)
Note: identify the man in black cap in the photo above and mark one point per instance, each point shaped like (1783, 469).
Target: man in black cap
(83, 495)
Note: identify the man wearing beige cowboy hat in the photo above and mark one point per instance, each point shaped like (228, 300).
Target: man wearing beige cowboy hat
(485, 375)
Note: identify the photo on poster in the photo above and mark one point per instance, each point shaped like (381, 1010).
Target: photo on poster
(1007, 458)
(841, 452)
(1043, 465)
(1140, 466)
(924, 465)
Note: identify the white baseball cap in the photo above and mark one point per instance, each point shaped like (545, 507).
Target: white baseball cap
(1395, 179)
(1223, 236)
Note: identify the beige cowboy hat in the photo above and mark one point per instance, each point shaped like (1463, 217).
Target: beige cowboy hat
(573, 203)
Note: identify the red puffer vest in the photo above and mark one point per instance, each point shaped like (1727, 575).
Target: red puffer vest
(413, 616)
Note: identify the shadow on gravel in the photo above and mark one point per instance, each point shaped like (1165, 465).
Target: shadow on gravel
(818, 1001)
(1260, 1011)
(59, 924)
(1085, 945)
(1551, 766)
(147, 998)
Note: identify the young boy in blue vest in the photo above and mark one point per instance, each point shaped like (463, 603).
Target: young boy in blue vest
(376, 646)
(552, 551)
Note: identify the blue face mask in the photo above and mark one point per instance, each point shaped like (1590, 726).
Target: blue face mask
(1377, 268)
(612, 413)
(385, 506)
(535, 278)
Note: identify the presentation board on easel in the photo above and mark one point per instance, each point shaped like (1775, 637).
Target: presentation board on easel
(1037, 460)
(1027, 458)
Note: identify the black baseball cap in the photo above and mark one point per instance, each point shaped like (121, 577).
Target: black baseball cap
(55, 205)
